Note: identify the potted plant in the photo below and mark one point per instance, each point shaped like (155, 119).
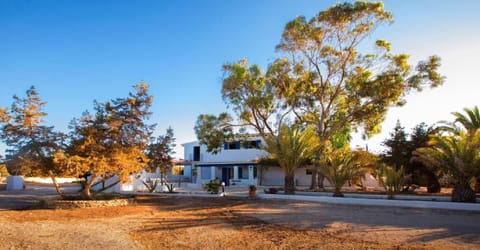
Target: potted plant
(252, 190)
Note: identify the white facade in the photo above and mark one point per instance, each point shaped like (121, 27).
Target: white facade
(239, 167)
(235, 164)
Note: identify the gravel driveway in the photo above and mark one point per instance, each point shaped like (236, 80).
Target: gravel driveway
(33, 192)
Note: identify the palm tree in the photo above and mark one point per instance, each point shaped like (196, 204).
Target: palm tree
(457, 155)
(338, 166)
(292, 148)
(391, 179)
(471, 122)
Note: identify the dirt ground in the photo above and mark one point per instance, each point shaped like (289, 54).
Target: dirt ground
(162, 222)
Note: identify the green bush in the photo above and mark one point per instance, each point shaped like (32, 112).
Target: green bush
(392, 180)
(212, 186)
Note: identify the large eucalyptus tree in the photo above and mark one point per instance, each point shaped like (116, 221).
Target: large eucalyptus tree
(324, 82)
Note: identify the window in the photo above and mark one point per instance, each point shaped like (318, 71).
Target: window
(251, 144)
(231, 145)
(241, 144)
(196, 153)
(309, 172)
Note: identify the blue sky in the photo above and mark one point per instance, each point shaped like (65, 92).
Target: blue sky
(75, 52)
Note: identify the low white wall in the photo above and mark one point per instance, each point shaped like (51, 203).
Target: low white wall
(274, 176)
(48, 180)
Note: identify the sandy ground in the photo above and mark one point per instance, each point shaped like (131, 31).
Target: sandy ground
(165, 222)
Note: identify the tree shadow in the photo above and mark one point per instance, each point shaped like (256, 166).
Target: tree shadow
(430, 224)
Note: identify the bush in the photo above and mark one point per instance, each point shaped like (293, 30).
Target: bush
(212, 186)
(392, 180)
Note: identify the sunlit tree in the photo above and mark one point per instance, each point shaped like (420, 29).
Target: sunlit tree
(30, 143)
(257, 108)
(331, 84)
(112, 141)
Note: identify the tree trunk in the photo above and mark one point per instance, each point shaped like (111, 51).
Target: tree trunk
(433, 185)
(321, 178)
(107, 187)
(151, 188)
(313, 185)
(86, 194)
(463, 193)
(338, 193)
(57, 186)
(289, 184)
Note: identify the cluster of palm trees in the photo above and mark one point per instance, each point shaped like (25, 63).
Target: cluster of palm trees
(452, 152)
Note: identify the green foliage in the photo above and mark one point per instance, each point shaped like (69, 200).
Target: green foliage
(339, 166)
(212, 186)
(159, 153)
(457, 156)
(470, 121)
(399, 152)
(213, 131)
(391, 179)
(292, 148)
(334, 83)
(325, 82)
(331, 84)
(455, 153)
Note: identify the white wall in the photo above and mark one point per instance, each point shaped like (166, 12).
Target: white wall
(230, 155)
(274, 176)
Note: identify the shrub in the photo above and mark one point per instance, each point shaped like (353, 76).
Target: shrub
(392, 180)
(212, 186)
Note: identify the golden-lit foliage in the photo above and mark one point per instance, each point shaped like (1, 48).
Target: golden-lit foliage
(112, 141)
(30, 144)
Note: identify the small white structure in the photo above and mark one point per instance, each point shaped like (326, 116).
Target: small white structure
(15, 182)
(133, 184)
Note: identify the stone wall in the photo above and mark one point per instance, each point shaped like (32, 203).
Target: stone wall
(65, 204)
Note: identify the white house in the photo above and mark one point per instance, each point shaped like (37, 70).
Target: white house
(236, 164)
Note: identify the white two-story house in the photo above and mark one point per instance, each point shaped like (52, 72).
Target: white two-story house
(237, 164)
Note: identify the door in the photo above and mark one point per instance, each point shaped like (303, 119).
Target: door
(225, 176)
